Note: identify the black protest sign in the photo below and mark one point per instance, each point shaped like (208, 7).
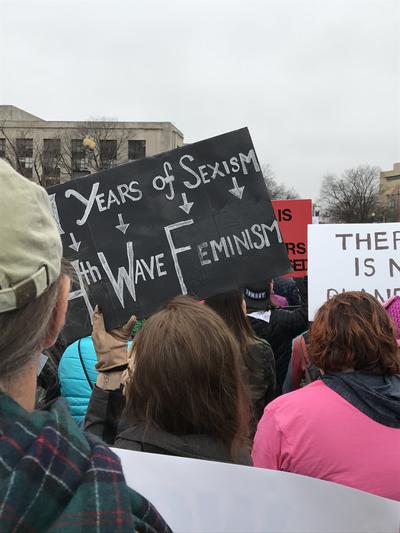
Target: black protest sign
(194, 220)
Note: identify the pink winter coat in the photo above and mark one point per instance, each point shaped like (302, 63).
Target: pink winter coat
(315, 432)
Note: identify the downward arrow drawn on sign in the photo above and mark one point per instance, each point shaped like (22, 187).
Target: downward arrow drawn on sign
(121, 226)
(186, 206)
(236, 191)
(75, 244)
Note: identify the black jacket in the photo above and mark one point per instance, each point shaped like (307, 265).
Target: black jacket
(261, 377)
(103, 418)
(279, 327)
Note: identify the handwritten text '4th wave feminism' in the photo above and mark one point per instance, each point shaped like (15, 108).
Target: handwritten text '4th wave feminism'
(148, 269)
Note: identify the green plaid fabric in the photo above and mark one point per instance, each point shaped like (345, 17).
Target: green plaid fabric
(55, 478)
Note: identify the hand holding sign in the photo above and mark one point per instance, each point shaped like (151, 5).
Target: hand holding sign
(111, 347)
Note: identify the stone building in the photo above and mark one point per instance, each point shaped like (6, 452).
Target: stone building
(53, 151)
(390, 192)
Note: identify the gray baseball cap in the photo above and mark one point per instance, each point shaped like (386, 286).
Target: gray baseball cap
(30, 245)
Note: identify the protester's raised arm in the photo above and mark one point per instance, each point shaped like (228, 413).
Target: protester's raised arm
(292, 322)
(107, 401)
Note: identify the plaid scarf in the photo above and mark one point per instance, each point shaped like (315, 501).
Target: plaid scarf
(55, 478)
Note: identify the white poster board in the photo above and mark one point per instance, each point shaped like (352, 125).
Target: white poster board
(203, 496)
(352, 257)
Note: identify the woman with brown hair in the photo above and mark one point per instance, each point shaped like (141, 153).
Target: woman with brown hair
(258, 363)
(184, 393)
(345, 427)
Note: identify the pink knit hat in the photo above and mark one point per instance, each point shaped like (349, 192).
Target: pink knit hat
(392, 306)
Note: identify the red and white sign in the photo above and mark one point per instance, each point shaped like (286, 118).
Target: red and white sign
(293, 217)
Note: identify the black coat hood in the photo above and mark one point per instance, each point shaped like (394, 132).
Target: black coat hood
(376, 396)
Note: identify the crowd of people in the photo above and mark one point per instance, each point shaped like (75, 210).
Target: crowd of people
(241, 377)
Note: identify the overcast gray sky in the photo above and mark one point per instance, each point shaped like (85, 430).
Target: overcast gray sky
(316, 81)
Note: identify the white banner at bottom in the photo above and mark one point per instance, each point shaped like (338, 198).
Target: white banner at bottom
(202, 496)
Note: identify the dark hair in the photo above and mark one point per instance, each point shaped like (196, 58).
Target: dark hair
(22, 330)
(185, 376)
(353, 331)
(228, 305)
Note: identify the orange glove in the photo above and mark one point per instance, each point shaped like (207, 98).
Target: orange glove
(111, 346)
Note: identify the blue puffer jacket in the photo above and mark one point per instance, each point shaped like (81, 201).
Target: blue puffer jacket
(74, 381)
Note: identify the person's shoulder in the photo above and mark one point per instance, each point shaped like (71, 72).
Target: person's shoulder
(82, 347)
(58, 416)
(53, 423)
(290, 316)
(261, 347)
(261, 344)
(287, 311)
(299, 399)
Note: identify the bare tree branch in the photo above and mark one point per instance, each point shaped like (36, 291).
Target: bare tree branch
(353, 197)
(108, 143)
(277, 191)
(95, 145)
(12, 155)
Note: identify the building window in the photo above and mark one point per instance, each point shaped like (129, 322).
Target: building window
(108, 153)
(80, 158)
(2, 148)
(24, 148)
(51, 158)
(392, 202)
(136, 150)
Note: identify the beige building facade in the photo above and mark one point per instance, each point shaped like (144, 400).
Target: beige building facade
(52, 152)
(390, 191)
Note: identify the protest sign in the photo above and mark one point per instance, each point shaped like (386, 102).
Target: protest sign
(194, 495)
(352, 257)
(293, 217)
(195, 220)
